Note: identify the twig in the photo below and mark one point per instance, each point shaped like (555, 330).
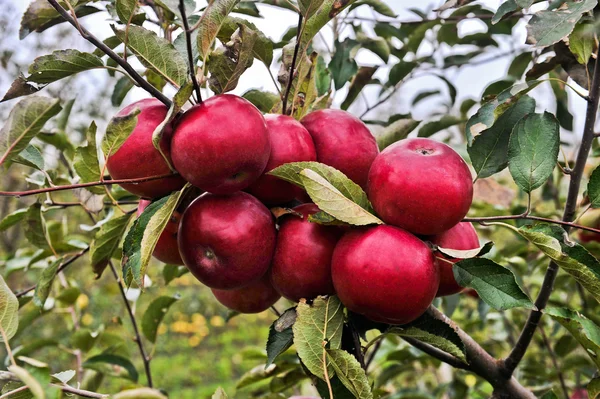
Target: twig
(138, 338)
(529, 217)
(277, 312)
(452, 18)
(438, 354)
(62, 267)
(515, 356)
(188, 42)
(8, 376)
(72, 204)
(14, 391)
(371, 356)
(26, 193)
(561, 378)
(106, 50)
(293, 66)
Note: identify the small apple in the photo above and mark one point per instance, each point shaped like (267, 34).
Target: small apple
(462, 236)
(253, 298)
(385, 274)
(137, 157)
(227, 241)
(290, 142)
(166, 249)
(590, 219)
(222, 145)
(580, 393)
(420, 185)
(342, 141)
(301, 265)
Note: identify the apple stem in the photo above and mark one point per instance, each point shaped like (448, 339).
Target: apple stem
(190, 54)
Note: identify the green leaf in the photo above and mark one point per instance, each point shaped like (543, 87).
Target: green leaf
(533, 150)
(350, 373)
(417, 36)
(322, 77)
(212, 19)
(24, 122)
(61, 64)
(171, 272)
(36, 231)
(396, 131)
(262, 100)
(263, 46)
(155, 314)
(399, 72)
(226, 65)
(140, 393)
(126, 9)
(84, 339)
(113, 365)
(122, 87)
(86, 162)
(44, 284)
(466, 253)
(118, 130)
(489, 150)
(343, 65)
(505, 8)
(377, 45)
(12, 219)
(35, 387)
(581, 42)
(593, 388)
(446, 121)
(173, 7)
(220, 394)
(495, 284)
(9, 311)
(334, 202)
(143, 235)
(433, 332)
(593, 189)
(358, 83)
(377, 5)
(156, 53)
(106, 242)
(585, 331)
(547, 27)
(318, 323)
(40, 15)
(32, 157)
(281, 335)
(180, 98)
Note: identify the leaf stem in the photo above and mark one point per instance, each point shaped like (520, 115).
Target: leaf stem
(188, 42)
(293, 66)
(6, 344)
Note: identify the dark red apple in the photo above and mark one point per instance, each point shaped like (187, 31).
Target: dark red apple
(342, 141)
(301, 265)
(227, 242)
(420, 185)
(462, 236)
(385, 274)
(222, 145)
(138, 158)
(290, 142)
(253, 298)
(580, 393)
(166, 249)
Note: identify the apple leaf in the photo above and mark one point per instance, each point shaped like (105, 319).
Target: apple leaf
(118, 130)
(12, 219)
(593, 188)
(334, 202)
(489, 150)
(581, 42)
(61, 64)
(210, 23)
(155, 314)
(396, 131)
(24, 122)
(505, 8)
(343, 66)
(281, 335)
(495, 284)
(156, 53)
(106, 242)
(171, 272)
(125, 10)
(359, 81)
(350, 373)
(31, 156)
(317, 324)
(111, 364)
(468, 253)
(40, 15)
(9, 307)
(143, 235)
(263, 100)
(44, 284)
(140, 393)
(378, 6)
(446, 121)
(263, 46)
(533, 150)
(36, 230)
(220, 394)
(593, 388)
(86, 162)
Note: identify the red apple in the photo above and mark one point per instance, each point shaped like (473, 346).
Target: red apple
(227, 242)
(166, 249)
(590, 219)
(290, 142)
(385, 274)
(301, 265)
(222, 145)
(580, 393)
(462, 236)
(342, 141)
(420, 185)
(253, 298)
(138, 158)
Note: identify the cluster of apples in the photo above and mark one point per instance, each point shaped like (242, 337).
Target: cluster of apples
(230, 241)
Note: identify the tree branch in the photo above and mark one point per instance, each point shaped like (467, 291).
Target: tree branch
(529, 217)
(106, 50)
(26, 193)
(188, 42)
(292, 67)
(515, 356)
(11, 377)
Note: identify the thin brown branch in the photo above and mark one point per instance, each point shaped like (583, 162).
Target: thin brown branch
(530, 217)
(293, 66)
(451, 18)
(555, 364)
(26, 193)
(188, 43)
(108, 51)
(8, 376)
(516, 355)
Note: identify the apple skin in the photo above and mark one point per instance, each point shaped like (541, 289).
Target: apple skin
(462, 236)
(166, 249)
(342, 141)
(222, 145)
(227, 242)
(138, 158)
(290, 142)
(385, 274)
(420, 185)
(301, 265)
(254, 298)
